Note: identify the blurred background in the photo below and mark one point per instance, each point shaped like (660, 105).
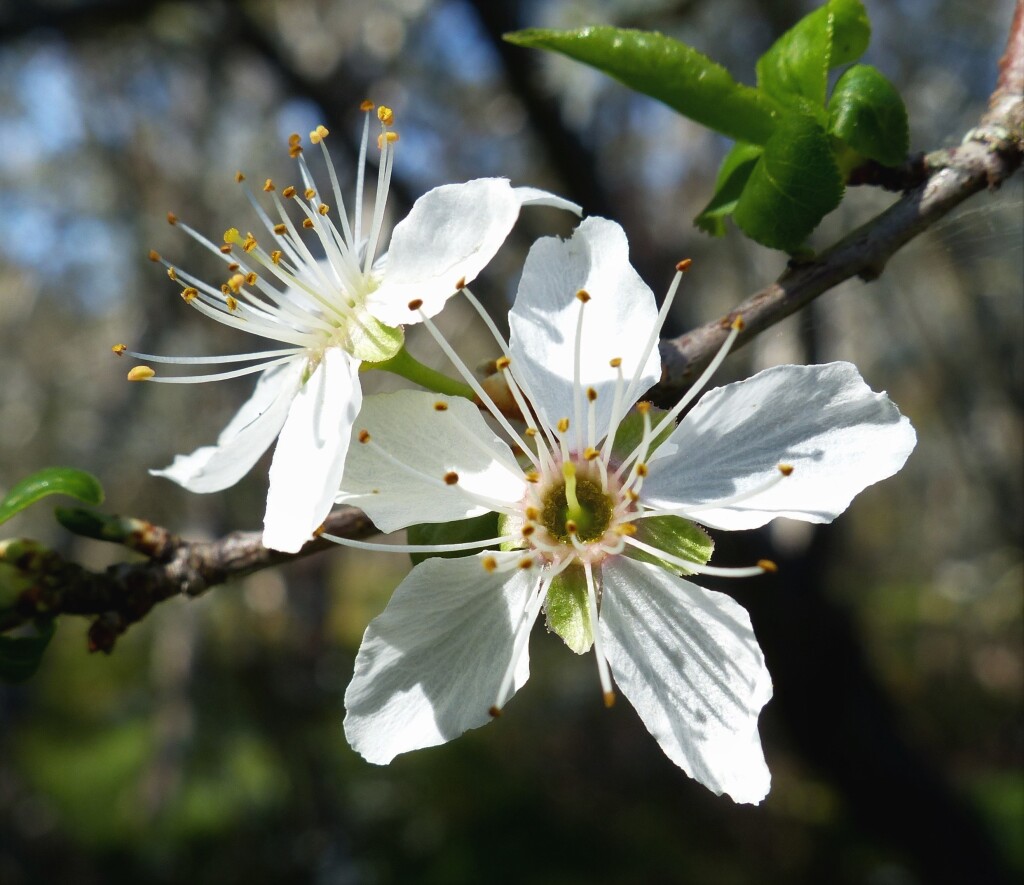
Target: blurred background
(208, 747)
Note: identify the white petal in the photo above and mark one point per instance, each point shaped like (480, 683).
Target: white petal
(431, 444)
(430, 666)
(839, 436)
(450, 235)
(618, 320)
(311, 451)
(247, 436)
(687, 660)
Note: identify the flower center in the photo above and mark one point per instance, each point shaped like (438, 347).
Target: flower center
(576, 506)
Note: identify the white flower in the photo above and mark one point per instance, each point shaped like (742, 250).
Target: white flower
(596, 527)
(331, 313)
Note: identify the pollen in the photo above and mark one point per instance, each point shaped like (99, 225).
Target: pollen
(563, 425)
(118, 349)
(451, 478)
(288, 192)
(236, 282)
(767, 565)
(416, 304)
(786, 469)
(440, 406)
(583, 295)
(154, 255)
(319, 134)
(385, 115)
(684, 265)
(364, 436)
(489, 563)
(140, 373)
(190, 294)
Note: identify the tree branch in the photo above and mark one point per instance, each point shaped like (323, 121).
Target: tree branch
(126, 592)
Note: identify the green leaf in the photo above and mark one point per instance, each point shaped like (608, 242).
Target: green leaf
(20, 655)
(672, 72)
(51, 481)
(568, 610)
(867, 113)
(794, 71)
(732, 178)
(673, 535)
(475, 528)
(631, 431)
(795, 184)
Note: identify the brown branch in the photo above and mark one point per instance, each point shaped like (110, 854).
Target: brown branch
(127, 591)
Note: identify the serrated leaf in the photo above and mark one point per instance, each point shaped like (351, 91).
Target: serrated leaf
(794, 71)
(51, 481)
(475, 528)
(674, 535)
(668, 70)
(792, 187)
(868, 114)
(631, 431)
(732, 178)
(20, 656)
(568, 610)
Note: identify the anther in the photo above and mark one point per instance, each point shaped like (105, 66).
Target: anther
(489, 563)
(294, 139)
(190, 294)
(615, 362)
(172, 274)
(389, 137)
(307, 223)
(494, 712)
(461, 284)
(528, 530)
(626, 528)
(641, 469)
(172, 218)
(416, 304)
(591, 394)
(275, 256)
(563, 425)
(323, 209)
(319, 134)
(684, 265)
(440, 406)
(532, 513)
(249, 243)
(250, 278)
(268, 185)
(571, 527)
(364, 436)
(590, 453)
(526, 562)
(502, 363)
(154, 255)
(235, 282)
(738, 323)
(385, 115)
(280, 229)
(532, 476)
(583, 295)
(239, 177)
(225, 249)
(118, 349)
(451, 478)
(366, 105)
(530, 432)
(785, 469)
(288, 192)
(309, 193)
(140, 373)
(767, 566)
(232, 303)
(609, 699)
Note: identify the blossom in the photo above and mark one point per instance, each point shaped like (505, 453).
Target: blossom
(597, 503)
(331, 313)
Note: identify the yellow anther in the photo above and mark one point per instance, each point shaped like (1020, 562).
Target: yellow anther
(633, 496)
(738, 324)
(294, 139)
(232, 303)
(172, 274)
(140, 373)
(319, 134)
(583, 295)
(684, 265)
(323, 209)
(530, 432)
(563, 425)
(591, 394)
(451, 478)
(609, 699)
(389, 137)
(118, 349)
(239, 177)
(767, 566)
(233, 266)
(416, 304)
(280, 229)
(172, 218)
(641, 469)
(385, 115)
(364, 436)
(489, 563)
(625, 528)
(288, 192)
(268, 185)
(225, 289)
(461, 284)
(528, 530)
(502, 363)
(250, 278)
(440, 406)
(154, 255)
(590, 453)
(785, 469)
(532, 476)
(307, 223)
(366, 105)
(275, 256)
(190, 294)
(526, 562)
(249, 243)
(615, 362)
(532, 513)
(225, 249)
(309, 193)
(643, 407)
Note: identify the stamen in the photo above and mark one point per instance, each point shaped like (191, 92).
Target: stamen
(615, 418)
(577, 392)
(208, 360)
(696, 568)
(633, 391)
(595, 627)
(140, 373)
(418, 548)
(785, 470)
(199, 379)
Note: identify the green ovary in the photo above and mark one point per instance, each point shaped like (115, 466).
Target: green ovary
(592, 516)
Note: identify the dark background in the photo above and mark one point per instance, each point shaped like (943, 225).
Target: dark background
(208, 747)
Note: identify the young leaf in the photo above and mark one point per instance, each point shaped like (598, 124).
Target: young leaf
(794, 185)
(51, 481)
(670, 71)
(475, 528)
(867, 113)
(732, 178)
(20, 655)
